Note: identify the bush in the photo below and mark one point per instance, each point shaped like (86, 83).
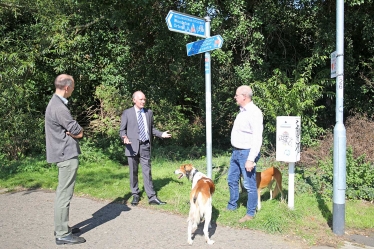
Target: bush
(359, 163)
(359, 135)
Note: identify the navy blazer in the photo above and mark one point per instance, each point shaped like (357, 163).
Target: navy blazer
(130, 128)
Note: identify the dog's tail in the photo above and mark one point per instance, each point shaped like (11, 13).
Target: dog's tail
(277, 176)
(195, 196)
(194, 216)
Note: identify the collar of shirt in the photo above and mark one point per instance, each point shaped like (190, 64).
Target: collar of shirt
(63, 99)
(137, 109)
(246, 107)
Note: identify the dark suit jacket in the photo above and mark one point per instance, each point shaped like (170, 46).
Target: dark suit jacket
(129, 127)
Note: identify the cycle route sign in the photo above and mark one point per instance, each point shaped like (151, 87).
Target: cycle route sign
(205, 45)
(184, 23)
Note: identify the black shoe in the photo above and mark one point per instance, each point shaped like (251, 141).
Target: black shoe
(135, 200)
(73, 230)
(70, 239)
(156, 201)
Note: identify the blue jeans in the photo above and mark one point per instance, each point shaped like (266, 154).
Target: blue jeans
(237, 168)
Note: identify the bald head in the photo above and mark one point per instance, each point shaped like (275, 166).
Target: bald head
(246, 91)
(243, 95)
(64, 84)
(139, 99)
(63, 80)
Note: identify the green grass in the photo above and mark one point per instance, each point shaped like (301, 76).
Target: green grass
(101, 178)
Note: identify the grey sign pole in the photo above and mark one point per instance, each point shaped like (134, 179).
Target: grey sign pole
(339, 181)
(208, 103)
(192, 25)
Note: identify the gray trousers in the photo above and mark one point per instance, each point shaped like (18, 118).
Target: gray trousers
(67, 172)
(144, 158)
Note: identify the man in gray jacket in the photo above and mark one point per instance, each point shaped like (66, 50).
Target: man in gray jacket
(136, 132)
(62, 133)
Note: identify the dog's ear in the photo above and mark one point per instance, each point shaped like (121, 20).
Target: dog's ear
(188, 167)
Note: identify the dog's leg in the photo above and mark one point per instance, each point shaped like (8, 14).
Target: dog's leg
(278, 183)
(208, 217)
(193, 219)
(271, 191)
(191, 222)
(189, 232)
(259, 199)
(278, 190)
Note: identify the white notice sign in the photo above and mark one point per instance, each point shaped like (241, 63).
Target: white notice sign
(288, 138)
(333, 64)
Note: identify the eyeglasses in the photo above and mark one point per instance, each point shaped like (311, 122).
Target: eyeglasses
(236, 95)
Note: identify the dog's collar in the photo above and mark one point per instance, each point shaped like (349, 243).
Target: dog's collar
(194, 173)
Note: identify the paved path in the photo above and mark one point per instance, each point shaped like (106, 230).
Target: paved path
(26, 221)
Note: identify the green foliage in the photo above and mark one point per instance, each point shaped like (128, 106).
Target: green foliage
(102, 147)
(105, 119)
(171, 118)
(359, 178)
(281, 48)
(281, 96)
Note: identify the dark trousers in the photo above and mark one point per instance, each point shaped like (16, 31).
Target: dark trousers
(144, 158)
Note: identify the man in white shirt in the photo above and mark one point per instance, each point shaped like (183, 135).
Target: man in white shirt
(246, 139)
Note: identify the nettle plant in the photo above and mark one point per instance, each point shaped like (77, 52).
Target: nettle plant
(359, 177)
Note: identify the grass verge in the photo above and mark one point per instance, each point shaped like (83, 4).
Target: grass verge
(101, 178)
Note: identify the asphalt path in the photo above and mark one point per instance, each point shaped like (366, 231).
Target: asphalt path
(26, 221)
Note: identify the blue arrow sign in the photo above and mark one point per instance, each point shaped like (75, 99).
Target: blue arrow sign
(205, 45)
(184, 23)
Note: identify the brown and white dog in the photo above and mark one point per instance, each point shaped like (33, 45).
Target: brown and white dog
(266, 178)
(200, 200)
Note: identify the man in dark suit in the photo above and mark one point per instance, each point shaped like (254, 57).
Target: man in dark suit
(136, 131)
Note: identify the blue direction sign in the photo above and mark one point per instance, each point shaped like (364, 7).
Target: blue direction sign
(184, 23)
(205, 45)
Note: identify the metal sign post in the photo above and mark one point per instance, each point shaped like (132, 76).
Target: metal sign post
(339, 181)
(187, 24)
(208, 104)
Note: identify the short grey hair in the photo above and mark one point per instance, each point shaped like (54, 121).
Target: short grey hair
(246, 90)
(63, 80)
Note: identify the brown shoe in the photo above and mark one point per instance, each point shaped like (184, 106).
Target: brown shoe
(245, 218)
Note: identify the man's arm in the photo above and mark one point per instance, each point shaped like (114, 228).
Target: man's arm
(80, 135)
(123, 128)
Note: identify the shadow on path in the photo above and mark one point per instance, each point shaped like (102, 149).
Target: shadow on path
(101, 216)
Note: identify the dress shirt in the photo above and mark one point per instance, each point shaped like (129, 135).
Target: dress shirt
(63, 99)
(247, 130)
(144, 119)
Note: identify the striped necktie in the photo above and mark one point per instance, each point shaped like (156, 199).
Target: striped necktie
(142, 134)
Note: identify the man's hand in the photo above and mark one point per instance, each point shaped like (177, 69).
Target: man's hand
(166, 134)
(126, 140)
(80, 135)
(249, 165)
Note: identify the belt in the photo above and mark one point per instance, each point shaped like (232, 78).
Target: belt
(234, 148)
(145, 142)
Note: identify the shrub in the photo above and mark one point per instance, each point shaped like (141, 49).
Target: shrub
(359, 135)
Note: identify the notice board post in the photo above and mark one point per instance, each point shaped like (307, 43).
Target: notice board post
(288, 149)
